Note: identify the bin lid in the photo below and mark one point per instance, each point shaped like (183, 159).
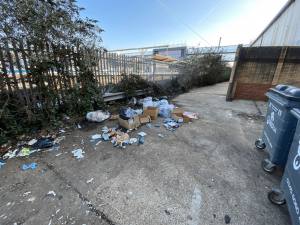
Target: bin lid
(296, 113)
(287, 92)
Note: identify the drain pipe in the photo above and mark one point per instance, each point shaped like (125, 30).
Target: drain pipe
(234, 75)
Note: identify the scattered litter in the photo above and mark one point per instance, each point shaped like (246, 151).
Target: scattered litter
(160, 135)
(191, 115)
(1, 164)
(59, 154)
(27, 193)
(60, 217)
(92, 140)
(148, 125)
(114, 117)
(33, 141)
(31, 166)
(157, 125)
(51, 193)
(24, 152)
(79, 126)
(78, 153)
(43, 143)
(104, 129)
(142, 134)
(96, 136)
(57, 211)
(97, 116)
(128, 113)
(169, 120)
(227, 219)
(33, 130)
(62, 131)
(133, 101)
(54, 148)
(87, 213)
(106, 137)
(132, 140)
(11, 154)
(89, 181)
(98, 143)
(59, 139)
(22, 143)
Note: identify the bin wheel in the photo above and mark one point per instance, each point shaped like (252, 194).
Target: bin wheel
(260, 144)
(269, 170)
(273, 197)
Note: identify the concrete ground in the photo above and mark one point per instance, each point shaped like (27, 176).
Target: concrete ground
(196, 175)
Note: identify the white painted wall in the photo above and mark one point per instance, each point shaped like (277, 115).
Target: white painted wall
(285, 31)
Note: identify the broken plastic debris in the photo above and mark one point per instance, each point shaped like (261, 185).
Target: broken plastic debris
(132, 140)
(1, 164)
(31, 166)
(92, 140)
(33, 141)
(89, 181)
(51, 193)
(58, 154)
(58, 139)
(79, 126)
(142, 134)
(62, 131)
(96, 136)
(98, 143)
(160, 135)
(54, 148)
(148, 125)
(106, 137)
(78, 153)
(10, 154)
(104, 129)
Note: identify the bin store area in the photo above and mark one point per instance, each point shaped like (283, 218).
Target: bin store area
(168, 170)
(281, 136)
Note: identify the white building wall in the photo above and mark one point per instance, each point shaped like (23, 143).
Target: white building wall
(285, 31)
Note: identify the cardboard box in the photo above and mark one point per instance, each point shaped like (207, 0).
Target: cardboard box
(179, 117)
(144, 118)
(131, 123)
(151, 111)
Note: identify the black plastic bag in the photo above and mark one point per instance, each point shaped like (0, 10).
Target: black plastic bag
(122, 114)
(43, 143)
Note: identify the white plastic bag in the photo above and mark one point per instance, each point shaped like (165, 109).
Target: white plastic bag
(97, 116)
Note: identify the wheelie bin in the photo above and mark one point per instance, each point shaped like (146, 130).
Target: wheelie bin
(280, 124)
(290, 183)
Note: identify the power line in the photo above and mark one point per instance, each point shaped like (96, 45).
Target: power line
(210, 11)
(184, 23)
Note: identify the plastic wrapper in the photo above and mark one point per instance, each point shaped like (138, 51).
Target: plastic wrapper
(133, 101)
(165, 110)
(97, 116)
(127, 113)
(147, 102)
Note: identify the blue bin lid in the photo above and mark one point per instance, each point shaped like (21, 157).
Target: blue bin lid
(287, 92)
(296, 113)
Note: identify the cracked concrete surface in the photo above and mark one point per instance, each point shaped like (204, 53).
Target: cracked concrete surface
(195, 175)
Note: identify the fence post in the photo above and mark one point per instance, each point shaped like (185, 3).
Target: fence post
(154, 67)
(172, 70)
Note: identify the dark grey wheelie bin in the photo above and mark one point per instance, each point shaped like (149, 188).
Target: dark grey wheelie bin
(290, 183)
(280, 124)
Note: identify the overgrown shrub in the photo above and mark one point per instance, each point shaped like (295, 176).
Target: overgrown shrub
(204, 67)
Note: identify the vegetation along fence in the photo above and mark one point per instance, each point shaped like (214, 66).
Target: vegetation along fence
(18, 60)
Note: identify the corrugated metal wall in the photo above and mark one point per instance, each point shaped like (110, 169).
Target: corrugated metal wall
(285, 31)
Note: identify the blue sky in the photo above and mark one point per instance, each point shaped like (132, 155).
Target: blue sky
(142, 23)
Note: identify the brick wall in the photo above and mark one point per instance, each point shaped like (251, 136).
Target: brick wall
(261, 68)
(252, 91)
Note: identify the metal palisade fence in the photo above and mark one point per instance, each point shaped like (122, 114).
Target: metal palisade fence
(18, 60)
